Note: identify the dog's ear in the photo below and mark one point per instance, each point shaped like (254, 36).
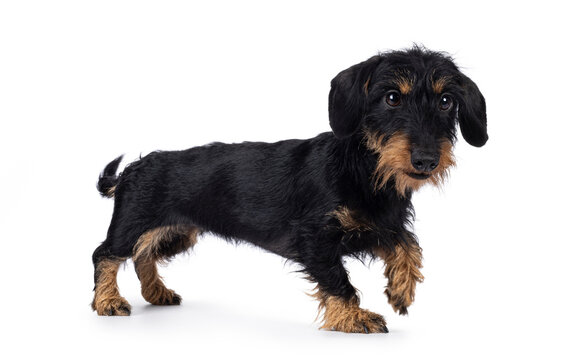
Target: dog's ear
(472, 115)
(347, 98)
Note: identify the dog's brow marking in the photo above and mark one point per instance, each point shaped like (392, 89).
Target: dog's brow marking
(405, 85)
(366, 86)
(404, 80)
(439, 84)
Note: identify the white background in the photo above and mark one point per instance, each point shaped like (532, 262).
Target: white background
(83, 82)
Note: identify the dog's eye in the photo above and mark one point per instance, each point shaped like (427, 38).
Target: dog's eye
(445, 103)
(393, 98)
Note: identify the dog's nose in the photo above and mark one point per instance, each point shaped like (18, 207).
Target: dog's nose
(424, 161)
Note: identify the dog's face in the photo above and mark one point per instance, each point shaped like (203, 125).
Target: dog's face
(406, 104)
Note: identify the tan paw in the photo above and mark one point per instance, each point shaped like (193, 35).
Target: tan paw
(113, 306)
(160, 295)
(347, 316)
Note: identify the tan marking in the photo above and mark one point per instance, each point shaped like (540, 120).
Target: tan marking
(405, 81)
(439, 84)
(152, 287)
(350, 221)
(394, 161)
(108, 300)
(405, 85)
(147, 253)
(402, 270)
(346, 315)
(366, 86)
(148, 245)
(111, 191)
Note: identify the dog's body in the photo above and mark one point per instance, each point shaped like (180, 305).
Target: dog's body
(312, 201)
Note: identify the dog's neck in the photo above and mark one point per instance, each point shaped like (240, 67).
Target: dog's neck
(357, 169)
(384, 207)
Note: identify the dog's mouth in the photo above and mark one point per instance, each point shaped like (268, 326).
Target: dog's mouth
(419, 176)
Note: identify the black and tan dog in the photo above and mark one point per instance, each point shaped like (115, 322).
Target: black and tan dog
(315, 201)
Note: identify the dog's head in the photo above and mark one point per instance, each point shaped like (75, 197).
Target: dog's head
(406, 105)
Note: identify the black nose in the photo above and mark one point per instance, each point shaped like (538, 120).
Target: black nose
(424, 161)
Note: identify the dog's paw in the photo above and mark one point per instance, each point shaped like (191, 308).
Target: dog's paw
(400, 301)
(170, 298)
(347, 316)
(114, 306)
(360, 321)
(162, 296)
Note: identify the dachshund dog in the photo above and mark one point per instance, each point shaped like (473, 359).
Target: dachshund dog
(315, 201)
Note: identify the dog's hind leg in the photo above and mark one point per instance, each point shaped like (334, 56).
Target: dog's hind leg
(107, 299)
(159, 245)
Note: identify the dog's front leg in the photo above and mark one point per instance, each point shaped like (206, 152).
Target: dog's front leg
(402, 269)
(339, 302)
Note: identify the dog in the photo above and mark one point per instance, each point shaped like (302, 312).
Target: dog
(315, 201)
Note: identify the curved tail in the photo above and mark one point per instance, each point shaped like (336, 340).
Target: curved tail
(108, 179)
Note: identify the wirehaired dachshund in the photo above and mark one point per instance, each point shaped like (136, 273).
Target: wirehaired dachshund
(316, 201)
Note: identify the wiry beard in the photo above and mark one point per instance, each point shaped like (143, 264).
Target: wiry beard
(394, 161)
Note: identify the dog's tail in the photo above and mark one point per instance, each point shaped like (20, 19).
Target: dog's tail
(108, 179)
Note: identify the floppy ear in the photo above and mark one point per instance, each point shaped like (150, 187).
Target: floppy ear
(347, 98)
(472, 116)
